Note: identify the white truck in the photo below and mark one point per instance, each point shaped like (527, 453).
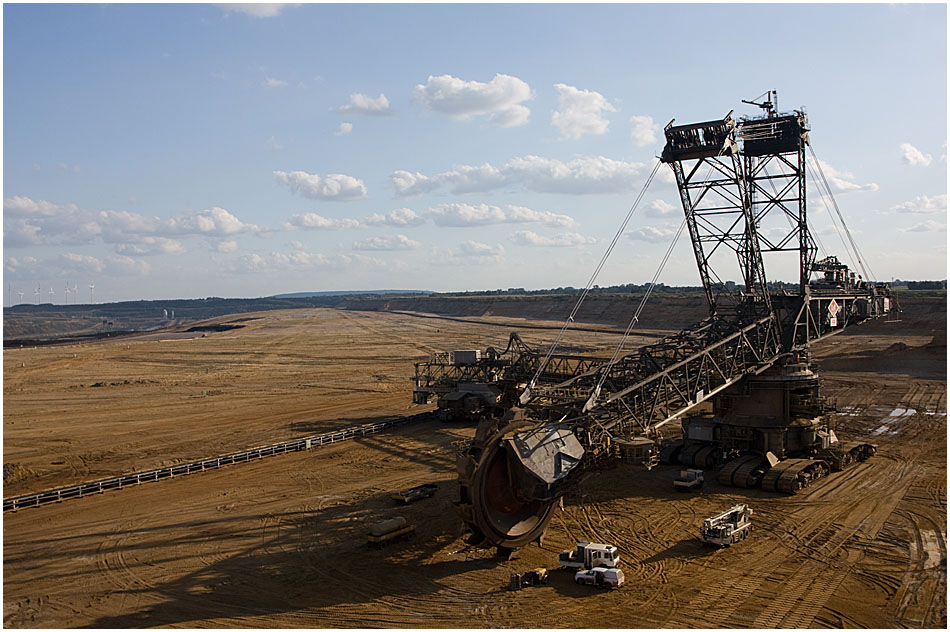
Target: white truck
(589, 555)
(688, 480)
(727, 528)
(600, 576)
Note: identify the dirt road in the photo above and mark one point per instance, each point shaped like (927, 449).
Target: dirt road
(280, 542)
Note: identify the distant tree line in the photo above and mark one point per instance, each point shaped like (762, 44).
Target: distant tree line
(923, 285)
(626, 288)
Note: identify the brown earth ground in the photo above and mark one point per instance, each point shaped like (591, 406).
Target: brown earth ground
(280, 542)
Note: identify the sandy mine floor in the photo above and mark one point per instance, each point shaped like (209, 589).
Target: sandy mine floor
(280, 542)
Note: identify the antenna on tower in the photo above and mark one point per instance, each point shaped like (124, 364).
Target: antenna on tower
(770, 105)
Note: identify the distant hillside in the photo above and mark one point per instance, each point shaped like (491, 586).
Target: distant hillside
(32, 324)
(350, 293)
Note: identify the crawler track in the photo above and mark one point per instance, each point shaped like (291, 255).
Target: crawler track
(135, 478)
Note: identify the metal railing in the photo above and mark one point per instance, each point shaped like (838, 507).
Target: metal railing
(118, 482)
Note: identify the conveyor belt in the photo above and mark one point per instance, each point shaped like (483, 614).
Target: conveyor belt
(118, 482)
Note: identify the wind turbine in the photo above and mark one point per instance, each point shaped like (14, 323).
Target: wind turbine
(51, 296)
(21, 296)
(76, 292)
(91, 288)
(36, 295)
(67, 292)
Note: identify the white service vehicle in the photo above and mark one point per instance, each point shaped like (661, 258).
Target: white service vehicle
(727, 528)
(589, 555)
(688, 480)
(600, 576)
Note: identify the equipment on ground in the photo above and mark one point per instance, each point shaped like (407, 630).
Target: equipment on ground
(387, 531)
(727, 528)
(741, 381)
(413, 494)
(688, 480)
(535, 577)
(601, 576)
(589, 555)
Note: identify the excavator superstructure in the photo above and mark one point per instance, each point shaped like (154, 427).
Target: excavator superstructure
(553, 417)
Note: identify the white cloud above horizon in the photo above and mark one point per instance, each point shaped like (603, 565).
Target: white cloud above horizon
(842, 181)
(256, 9)
(927, 226)
(914, 157)
(922, 205)
(460, 214)
(387, 242)
(334, 186)
(563, 240)
(367, 106)
(36, 223)
(580, 112)
(501, 98)
(644, 130)
(582, 175)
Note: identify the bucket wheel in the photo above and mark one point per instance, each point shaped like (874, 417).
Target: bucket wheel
(496, 511)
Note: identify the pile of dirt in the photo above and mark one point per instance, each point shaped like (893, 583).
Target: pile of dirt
(14, 472)
(894, 348)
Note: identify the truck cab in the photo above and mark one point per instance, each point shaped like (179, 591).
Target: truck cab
(590, 554)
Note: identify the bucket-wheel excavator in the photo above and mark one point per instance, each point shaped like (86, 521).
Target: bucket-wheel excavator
(549, 417)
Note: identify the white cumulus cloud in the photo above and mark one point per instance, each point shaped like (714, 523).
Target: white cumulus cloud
(500, 98)
(407, 183)
(461, 214)
(398, 217)
(843, 181)
(314, 221)
(466, 215)
(256, 9)
(334, 186)
(344, 129)
(929, 226)
(660, 208)
(582, 175)
(34, 223)
(478, 250)
(922, 205)
(387, 242)
(151, 246)
(271, 82)
(644, 130)
(914, 157)
(580, 112)
(566, 240)
(85, 263)
(652, 234)
(362, 104)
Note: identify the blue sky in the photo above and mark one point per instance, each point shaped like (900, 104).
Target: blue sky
(166, 151)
